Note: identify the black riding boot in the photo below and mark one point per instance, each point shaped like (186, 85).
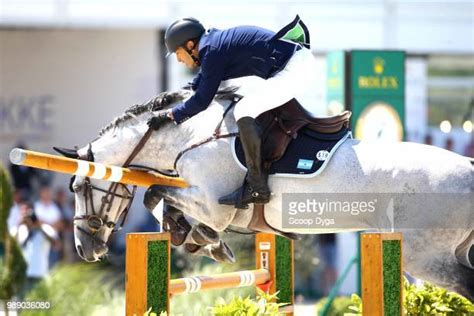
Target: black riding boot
(255, 188)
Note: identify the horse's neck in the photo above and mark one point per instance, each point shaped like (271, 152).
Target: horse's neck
(204, 124)
(163, 147)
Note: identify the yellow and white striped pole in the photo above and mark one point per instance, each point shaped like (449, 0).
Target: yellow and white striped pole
(91, 169)
(196, 284)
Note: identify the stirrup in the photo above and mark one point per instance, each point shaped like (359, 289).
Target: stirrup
(235, 199)
(239, 199)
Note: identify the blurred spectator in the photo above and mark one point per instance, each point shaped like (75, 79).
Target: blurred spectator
(449, 144)
(48, 213)
(35, 239)
(46, 210)
(327, 245)
(428, 139)
(22, 176)
(68, 251)
(14, 218)
(469, 150)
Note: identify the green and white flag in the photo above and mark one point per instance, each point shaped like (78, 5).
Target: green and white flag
(295, 32)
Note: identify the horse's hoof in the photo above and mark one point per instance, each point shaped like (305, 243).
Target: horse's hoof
(203, 235)
(222, 253)
(192, 248)
(153, 196)
(218, 252)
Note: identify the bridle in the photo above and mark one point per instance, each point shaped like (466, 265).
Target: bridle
(97, 220)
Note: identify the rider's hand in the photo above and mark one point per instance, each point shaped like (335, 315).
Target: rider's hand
(161, 118)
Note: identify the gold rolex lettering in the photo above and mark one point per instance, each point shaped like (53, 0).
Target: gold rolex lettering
(376, 82)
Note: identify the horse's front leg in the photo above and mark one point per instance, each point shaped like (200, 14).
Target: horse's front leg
(194, 202)
(182, 232)
(197, 239)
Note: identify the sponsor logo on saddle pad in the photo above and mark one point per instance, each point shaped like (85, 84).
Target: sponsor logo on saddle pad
(305, 164)
(322, 155)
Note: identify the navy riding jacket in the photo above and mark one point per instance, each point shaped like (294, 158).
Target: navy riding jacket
(233, 53)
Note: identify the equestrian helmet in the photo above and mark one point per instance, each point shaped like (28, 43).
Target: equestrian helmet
(181, 31)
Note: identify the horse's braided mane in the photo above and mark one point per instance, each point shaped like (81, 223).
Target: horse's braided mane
(164, 100)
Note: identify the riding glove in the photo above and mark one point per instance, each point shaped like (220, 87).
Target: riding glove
(159, 120)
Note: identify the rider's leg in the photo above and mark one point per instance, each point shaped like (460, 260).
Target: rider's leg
(296, 80)
(255, 189)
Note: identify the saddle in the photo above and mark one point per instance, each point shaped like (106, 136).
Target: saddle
(282, 124)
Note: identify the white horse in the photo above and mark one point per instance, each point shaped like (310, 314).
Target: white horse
(438, 247)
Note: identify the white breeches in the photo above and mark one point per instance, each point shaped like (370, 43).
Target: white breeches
(297, 80)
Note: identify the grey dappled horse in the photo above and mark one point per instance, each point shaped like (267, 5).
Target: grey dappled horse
(436, 253)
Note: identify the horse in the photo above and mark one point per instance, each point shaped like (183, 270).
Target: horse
(438, 245)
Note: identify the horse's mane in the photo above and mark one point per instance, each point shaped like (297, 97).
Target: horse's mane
(164, 100)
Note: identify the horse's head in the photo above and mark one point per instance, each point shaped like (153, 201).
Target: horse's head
(101, 208)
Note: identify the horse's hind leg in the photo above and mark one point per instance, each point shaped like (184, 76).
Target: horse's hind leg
(428, 255)
(465, 251)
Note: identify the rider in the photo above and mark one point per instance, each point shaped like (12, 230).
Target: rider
(282, 58)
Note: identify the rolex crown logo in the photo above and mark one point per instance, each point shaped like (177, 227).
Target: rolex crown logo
(379, 65)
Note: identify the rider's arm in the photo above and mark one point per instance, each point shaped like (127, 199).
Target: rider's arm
(195, 83)
(212, 72)
(192, 85)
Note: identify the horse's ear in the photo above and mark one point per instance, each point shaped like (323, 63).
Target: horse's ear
(70, 153)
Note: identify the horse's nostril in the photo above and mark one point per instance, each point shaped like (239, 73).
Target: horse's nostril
(80, 252)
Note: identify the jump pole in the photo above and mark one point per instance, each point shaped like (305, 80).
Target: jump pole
(148, 284)
(91, 169)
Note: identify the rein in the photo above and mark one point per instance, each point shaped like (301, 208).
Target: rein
(215, 136)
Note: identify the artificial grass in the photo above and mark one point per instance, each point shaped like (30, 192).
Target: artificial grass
(284, 270)
(391, 276)
(157, 276)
